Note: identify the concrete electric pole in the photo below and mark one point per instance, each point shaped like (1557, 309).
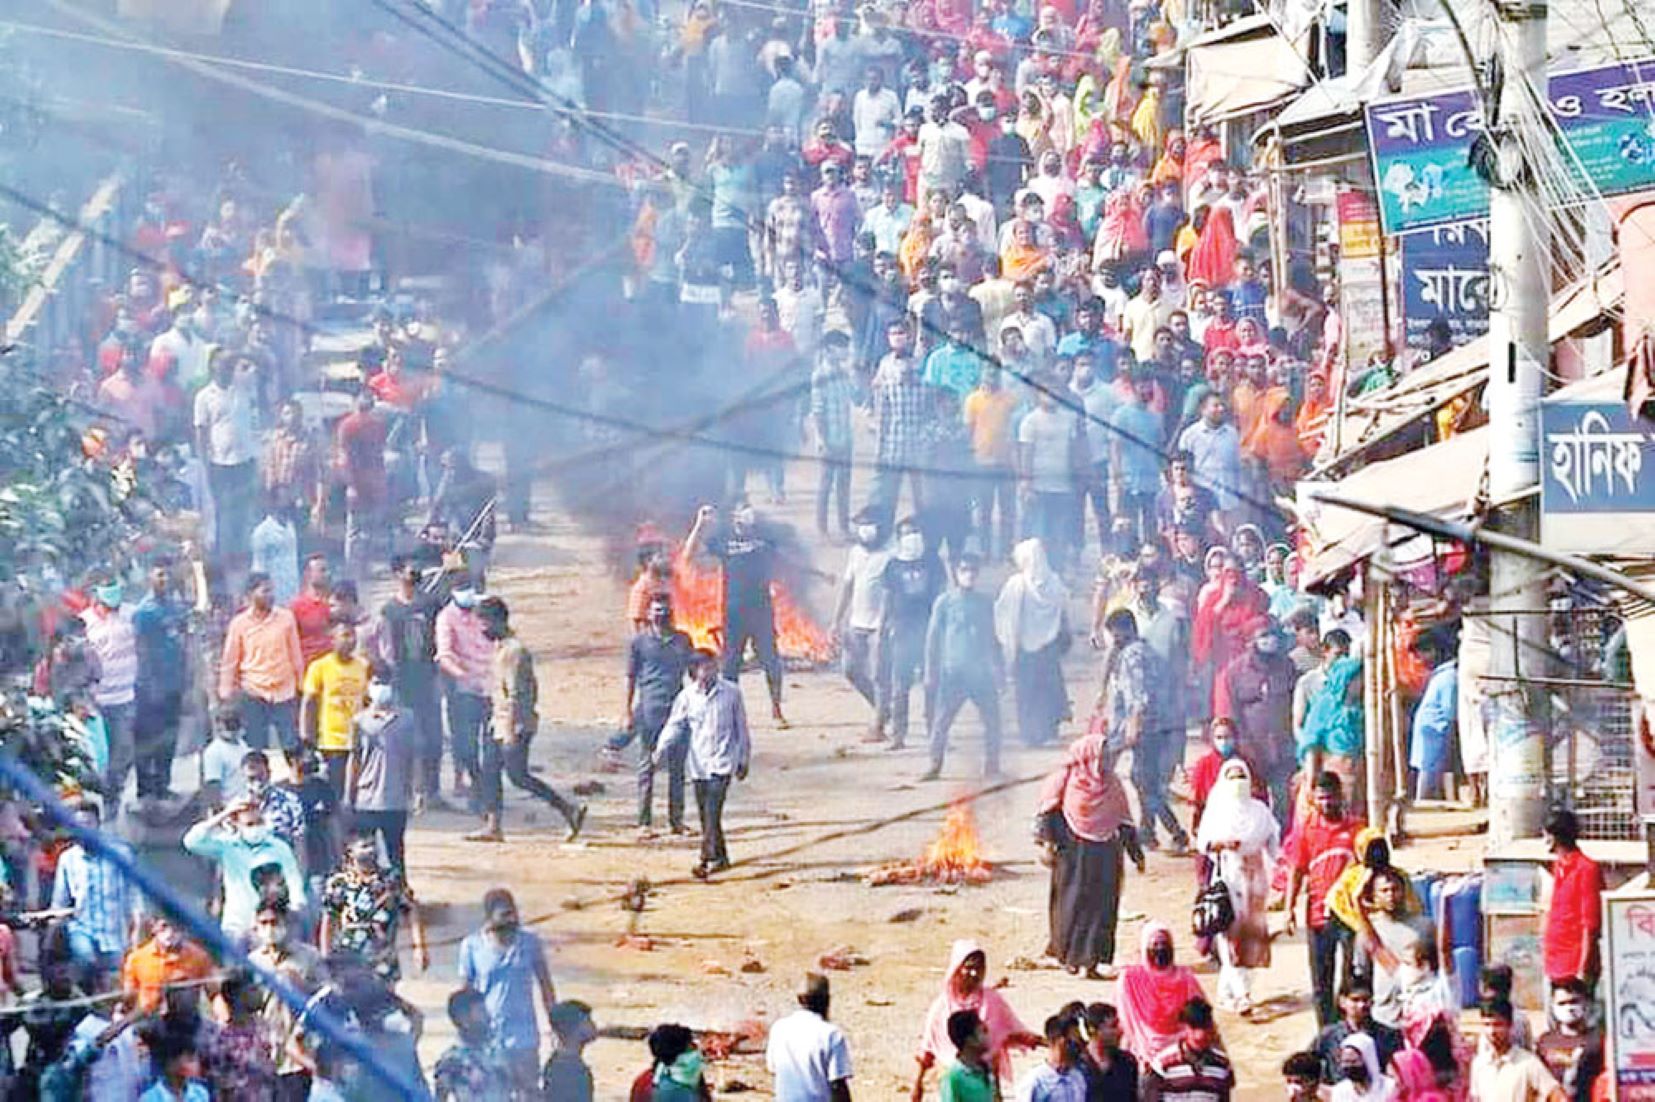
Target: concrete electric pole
(1519, 352)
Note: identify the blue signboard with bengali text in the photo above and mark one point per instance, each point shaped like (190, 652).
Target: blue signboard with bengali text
(1445, 276)
(1420, 144)
(1595, 497)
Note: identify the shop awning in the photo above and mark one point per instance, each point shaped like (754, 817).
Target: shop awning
(1442, 480)
(1373, 418)
(1241, 68)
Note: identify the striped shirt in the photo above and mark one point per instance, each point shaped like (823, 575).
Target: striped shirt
(832, 394)
(103, 901)
(109, 633)
(1174, 1077)
(903, 411)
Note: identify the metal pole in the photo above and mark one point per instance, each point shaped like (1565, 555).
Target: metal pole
(1519, 352)
(162, 894)
(1366, 32)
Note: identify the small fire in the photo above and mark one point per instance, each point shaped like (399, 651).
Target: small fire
(955, 857)
(698, 606)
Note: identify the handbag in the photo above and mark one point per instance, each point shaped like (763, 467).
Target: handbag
(1214, 911)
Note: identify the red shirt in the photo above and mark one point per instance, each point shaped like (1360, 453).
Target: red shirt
(362, 448)
(1576, 915)
(1320, 852)
(315, 633)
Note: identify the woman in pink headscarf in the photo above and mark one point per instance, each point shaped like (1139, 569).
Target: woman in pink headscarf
(966, 988)
(1121, 234)
(1151, 994)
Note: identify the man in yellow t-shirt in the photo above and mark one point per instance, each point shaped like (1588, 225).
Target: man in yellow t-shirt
(336, 688)
(989, 411)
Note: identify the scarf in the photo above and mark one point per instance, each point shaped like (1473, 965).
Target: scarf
(1028, 613)
(1377, 1089)
(1344, 899)
(1121, 233)
(1212, 260)
(1273, 441)
(1169, 169)
(1020, 262)
(1233, 814)
(999, 1020)
(1146, 119)
(1333, 722)
(1151, 998)
(1416, 1079)
(1311, 421)
(1091, 796)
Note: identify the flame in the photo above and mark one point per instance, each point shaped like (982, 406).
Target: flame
(698, 606)
(954, 857)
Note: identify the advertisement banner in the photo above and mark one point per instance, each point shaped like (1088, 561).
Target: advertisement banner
(1420, 144)
(1445, 276)
(1594, 495)
(1629, 930)
(1361, 278)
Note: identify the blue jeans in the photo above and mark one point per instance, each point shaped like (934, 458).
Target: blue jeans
(261, 718)
(96, 967)
(1050, 518)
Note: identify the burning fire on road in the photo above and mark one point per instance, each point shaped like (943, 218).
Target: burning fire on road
(698, 606)
(954, 857)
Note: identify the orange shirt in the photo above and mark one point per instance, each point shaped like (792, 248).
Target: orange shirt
(644, 590)
(149, 969)
(261, 656)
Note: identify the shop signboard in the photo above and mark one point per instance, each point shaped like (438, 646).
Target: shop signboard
(1629, 934)
(1361, 277)
(1445, 275)
(1421, 144)
(1595, 497)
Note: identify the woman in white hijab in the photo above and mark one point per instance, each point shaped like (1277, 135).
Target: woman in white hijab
(1031, 622)
(1362, 1081)
(1239, 834)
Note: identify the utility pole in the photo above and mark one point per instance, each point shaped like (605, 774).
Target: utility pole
(1367, 29)
(1519, 351)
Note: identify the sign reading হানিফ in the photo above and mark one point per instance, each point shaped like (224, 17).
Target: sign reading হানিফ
(1421, 144)
(1594, 495)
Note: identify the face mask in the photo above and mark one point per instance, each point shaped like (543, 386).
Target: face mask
(867, 533)
(986, 113)
(465, 598)
(255, 835)
(1409, 974)
(270, 936)
(1569, 1013)
(109, 595)
(967, 581)
(1268, 644)
(380, 694)
(949, 286)
(1225, 749)
(686, 1070)
(1160, 956)
(910, 546)
(257, 787)
(1357, 1073)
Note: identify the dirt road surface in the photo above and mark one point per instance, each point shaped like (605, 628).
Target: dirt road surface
(819, 809)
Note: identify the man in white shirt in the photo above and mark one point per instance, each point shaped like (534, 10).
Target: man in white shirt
(859, 609)
(1039, 334)
(807, 1054)
(1503, 1072)
(875, 114)
(944, 152)
(709, 712)
(227, 442)
(1146, 312)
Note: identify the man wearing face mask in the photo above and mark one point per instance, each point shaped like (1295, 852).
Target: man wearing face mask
(953, 311)
(281, 807)
(913, 578)
(1256, 691)
(239, 841)
(275, 949)
(1572, 1049)
(747, 554)
(464, 656)
(858, 611)
(506, 964)
(379, 778)
(107, 909)
(710, 716)
(655, 663)
(963, 662)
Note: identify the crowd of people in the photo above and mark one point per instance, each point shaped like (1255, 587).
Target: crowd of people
(1034, 331)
